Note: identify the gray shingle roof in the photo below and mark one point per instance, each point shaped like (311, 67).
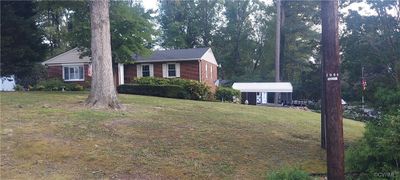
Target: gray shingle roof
(69, 57)
(173, 55)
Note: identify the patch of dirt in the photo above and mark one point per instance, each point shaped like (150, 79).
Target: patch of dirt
(137, 176)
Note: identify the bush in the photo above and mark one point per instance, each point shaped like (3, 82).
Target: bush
(77, 87)
(57, 85)
(288, 174)
(227, 94)
(196, 90)
(171, 91)
(377, 154)
(18, 87)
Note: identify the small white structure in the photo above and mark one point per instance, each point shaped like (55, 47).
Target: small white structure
(7, 83)
(260, 91)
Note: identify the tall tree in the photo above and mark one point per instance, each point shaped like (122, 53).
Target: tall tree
(53, 19)
(102, 92)
(21, 41)
(377, 38)
(188, 24)
(236, 44)
(131, 33)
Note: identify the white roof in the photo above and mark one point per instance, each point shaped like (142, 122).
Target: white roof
(263, 87)
(69, 57)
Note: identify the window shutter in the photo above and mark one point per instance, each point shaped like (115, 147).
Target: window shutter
(164, 70)
(178, 70)
(151, 69)
(138, 70)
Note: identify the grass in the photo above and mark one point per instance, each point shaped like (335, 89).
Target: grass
(51, 135)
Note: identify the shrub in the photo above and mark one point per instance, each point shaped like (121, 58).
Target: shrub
(196, 90)
(288, 174)
(171, 91)
(227, 94)
(50, 85)
(57, 85)
(18, 88)
(377, 154)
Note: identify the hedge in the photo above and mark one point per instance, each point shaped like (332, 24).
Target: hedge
(195, 89)
(171, 91)
(227, 94)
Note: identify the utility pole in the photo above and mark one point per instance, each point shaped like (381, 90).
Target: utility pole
(277, 46)
(323, 112)
(363, 85)
(333, 106)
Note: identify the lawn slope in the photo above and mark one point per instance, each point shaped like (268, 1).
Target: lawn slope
(53, 136)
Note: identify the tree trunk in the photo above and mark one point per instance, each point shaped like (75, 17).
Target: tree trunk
(102, 94)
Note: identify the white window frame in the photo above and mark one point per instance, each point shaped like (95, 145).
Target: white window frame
(211, 72)
(206, 70)
(139, 70)
(73, 66)
(168, 70)
(149, 70)
(165, 71)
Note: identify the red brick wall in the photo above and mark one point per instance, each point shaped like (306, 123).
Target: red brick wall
(56, 72)
(189, 70)
(209, 79)
(129, 73)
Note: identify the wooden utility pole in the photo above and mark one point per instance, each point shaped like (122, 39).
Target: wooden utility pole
(333, 106)
(323, 112)
(277, 45)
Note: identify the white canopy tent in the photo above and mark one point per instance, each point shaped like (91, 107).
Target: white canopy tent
(261, 90)
(263, 87)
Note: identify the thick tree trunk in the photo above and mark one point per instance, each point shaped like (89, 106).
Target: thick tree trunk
(102, 94)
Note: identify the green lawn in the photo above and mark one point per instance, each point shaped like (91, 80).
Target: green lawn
(52, 135)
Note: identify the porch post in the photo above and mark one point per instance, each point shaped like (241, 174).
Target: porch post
(120, 73)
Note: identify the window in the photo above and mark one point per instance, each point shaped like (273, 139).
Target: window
(145, 70)
(206, 70)
(171, 70)
(211, 67)
(73, 73)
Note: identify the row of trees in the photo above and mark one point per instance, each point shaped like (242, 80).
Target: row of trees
(241, 33)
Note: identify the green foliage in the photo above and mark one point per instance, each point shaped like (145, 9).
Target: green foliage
(131, 32)
(387, 99)
(171, 91)
(288, 174)
(378, 152)
(36, 74)
(195, 89)
(227, 94)
(21, 41)
(18, 87)
(372, 42)
(188, 24)
(57, 85)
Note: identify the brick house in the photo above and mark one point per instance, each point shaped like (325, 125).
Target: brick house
(196, 64)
